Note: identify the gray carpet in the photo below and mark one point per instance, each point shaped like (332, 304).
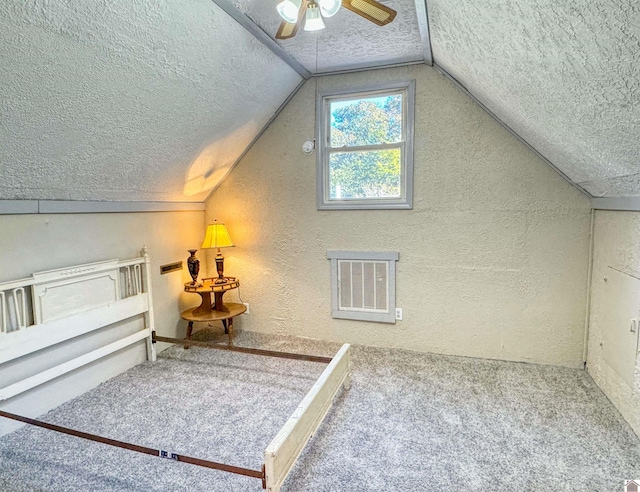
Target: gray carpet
(410, 422)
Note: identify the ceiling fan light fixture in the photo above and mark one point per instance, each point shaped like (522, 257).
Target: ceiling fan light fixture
(288, 10)
(329, 8)
(310, 14)
(314, 20)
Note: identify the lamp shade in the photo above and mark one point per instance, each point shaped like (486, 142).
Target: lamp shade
(329, 8)
(314, 19)
(217, 236)
(288, 10)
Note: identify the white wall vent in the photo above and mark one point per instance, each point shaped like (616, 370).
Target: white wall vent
(363, 285)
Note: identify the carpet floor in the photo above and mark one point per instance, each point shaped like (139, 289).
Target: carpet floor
(410, 422)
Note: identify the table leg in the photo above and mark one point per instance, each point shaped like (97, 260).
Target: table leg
(230, 331)
(189, 331)
(226, 328)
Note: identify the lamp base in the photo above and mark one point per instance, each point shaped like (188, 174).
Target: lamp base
(220, 269)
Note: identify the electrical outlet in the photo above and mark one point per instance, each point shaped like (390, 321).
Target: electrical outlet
(247, 305)
(399, 314)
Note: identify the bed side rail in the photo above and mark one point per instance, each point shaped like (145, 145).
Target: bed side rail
(285, 448)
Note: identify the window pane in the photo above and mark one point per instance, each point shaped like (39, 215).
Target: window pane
(367, 174)
(366, 121)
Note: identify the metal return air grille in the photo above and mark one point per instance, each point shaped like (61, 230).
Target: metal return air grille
(363, 285)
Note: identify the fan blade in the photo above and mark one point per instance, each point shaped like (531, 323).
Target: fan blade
(288, 30)
(371, 10)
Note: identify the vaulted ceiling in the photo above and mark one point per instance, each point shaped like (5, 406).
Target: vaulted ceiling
(129, 99)
(157, 99)
(565, 75)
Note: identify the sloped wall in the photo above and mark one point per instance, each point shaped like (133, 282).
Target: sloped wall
(493, 257)
(564, 75)
(616, 254)
(129, 99)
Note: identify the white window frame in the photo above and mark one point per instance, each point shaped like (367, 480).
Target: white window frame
(405, 201)
(390, 257)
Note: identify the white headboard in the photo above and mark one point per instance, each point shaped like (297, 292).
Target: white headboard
(54, 306)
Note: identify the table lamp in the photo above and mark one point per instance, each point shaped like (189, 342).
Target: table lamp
(217, 236)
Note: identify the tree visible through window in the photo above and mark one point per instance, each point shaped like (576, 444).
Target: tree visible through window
(365, 122)
(366, 159)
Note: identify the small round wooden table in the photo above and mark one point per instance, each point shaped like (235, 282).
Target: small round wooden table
(206, 312)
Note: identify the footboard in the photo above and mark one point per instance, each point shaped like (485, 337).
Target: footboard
(285, 448)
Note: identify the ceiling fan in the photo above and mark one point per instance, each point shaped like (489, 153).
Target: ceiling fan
(312, 11)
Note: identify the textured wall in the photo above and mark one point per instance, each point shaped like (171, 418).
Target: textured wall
(31, 243)
(565, 75)
(616, 238)
(493, 257)
(128, 99)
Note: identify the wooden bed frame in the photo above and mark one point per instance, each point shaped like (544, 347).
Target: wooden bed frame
(69, 302)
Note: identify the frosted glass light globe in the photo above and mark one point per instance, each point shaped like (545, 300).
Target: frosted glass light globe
(314, 20)
(329, 8)
(288, 10)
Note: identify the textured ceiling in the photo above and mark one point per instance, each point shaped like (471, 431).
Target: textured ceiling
(349, 41)
(156, 99)
(128, 99)
(565, 75)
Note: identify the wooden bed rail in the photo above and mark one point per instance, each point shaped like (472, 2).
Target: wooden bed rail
(284, 449)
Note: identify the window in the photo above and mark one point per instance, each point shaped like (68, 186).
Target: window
(365, 150)
(363, 285)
